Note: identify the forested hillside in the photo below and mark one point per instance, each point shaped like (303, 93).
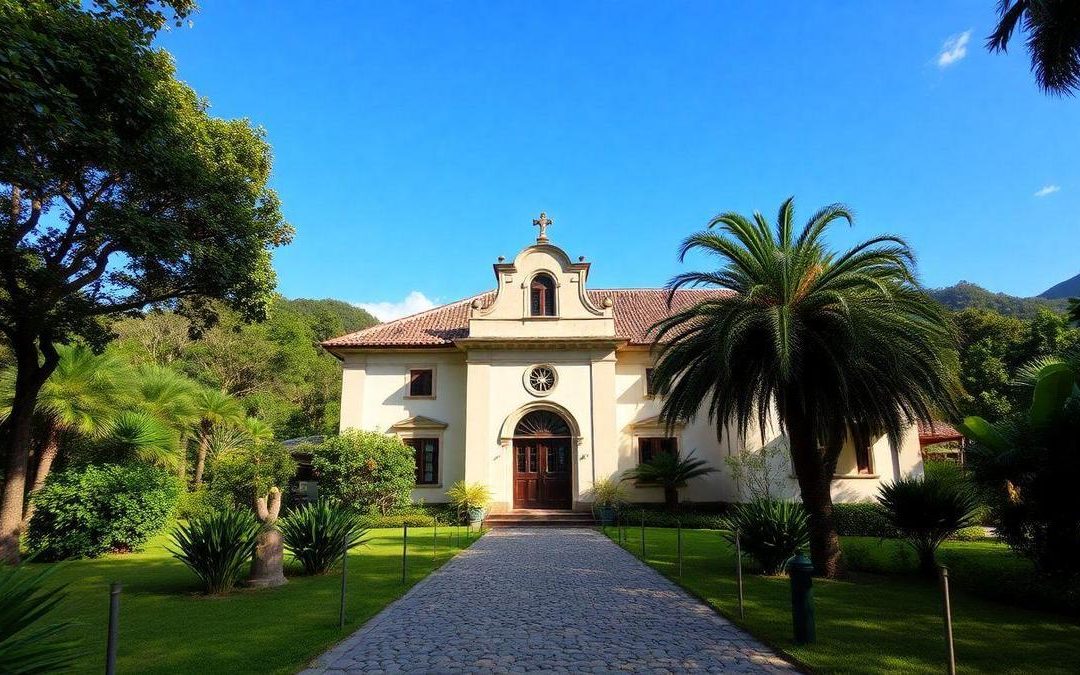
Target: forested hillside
(965, 295)
(276, 368)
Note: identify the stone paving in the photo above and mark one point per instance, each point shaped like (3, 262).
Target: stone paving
(553, 600)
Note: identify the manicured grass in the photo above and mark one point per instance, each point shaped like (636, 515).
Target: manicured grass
(873, 622)
(166, 626)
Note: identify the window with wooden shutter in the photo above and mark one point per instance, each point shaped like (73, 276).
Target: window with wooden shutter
(426, 456)
(651, 446)
(862, 458)
(649, 387)
(542, 296)
(422, 382)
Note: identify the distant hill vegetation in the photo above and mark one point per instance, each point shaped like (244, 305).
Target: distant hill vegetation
(966, 294)
(331, 318)
(1070, 288)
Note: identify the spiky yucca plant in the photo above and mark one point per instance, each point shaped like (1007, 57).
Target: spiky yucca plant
(218, 547)
(770, 531)
(317, 534)
(927, 511)
(27, 643)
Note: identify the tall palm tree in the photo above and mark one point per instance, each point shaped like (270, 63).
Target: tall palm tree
(141, 436)
(82, 397)
(215, 409)
(838, 345)
(1053, 40)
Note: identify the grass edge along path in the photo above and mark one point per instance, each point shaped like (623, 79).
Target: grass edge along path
(866, 622)
(167, 626)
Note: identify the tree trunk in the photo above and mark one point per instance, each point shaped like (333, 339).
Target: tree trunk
(41, 472)
(268, 565)
(200, 457)
(814, 470)
(30, 375)
(671, 498)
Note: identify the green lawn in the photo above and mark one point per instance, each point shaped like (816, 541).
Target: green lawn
(167, 627)
(871, 622)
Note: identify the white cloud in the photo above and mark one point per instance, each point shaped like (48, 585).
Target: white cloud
(1047, 190)
(954, 49)
(413, 303)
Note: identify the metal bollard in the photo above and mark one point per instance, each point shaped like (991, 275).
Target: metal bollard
(643, 534)
(678, 546)
(114, 627)
(738, 573)
(341, 608)
(404, 552)
(801, 571)
(948, 621)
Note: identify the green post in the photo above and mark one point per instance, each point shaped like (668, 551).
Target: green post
(738, 573)
(114, 627)
(341, 607)
(678, 546)
(404, 552)
(643, 534)
(950, 648)
(435, 540)
(801, 571)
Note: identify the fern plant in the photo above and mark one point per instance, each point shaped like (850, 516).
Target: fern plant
(217, 548)
(317, 534)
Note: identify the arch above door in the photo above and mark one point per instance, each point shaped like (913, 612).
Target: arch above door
(510, 424)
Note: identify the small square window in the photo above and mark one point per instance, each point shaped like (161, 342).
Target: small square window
(422, 382)
(650, 389)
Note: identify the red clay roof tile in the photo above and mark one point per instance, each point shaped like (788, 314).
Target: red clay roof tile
(636, 310)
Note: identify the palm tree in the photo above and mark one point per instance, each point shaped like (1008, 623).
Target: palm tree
(139, 435)
(668, 471)
(169, 397)
(82, 397)
(215, 409)
(838, 346)
(1053, 40)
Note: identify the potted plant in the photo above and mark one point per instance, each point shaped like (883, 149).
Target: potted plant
(470, 498)
(607, 496)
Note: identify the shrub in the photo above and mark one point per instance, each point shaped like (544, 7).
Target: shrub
(239, 474)
(668, 471)
(218, 547)
(369, 471)
(468, 496)
(27, 644)
(770, 532)
(864, 519)
(194, 504)
(91, 510)
(607, 492)
(699, 516)
(927, 511)
(316, 534)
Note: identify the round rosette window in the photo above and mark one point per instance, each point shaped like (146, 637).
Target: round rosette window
(540, 380)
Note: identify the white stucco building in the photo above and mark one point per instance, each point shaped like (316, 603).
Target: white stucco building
(541, 386)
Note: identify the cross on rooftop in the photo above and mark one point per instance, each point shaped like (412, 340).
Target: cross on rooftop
(542, 222)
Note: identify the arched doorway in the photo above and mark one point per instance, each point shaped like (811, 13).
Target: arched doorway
(542, 464)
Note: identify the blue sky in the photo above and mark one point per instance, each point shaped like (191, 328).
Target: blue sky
(414, 142)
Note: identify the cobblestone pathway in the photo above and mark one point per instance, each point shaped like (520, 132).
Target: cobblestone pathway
(523, 600)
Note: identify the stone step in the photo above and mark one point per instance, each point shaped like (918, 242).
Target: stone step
(540, 518)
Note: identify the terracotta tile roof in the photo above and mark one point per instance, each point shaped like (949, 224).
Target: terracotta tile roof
(938, 432)
(636, 309)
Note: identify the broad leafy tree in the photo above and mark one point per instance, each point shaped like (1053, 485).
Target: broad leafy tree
(120, 191)
(837, 345)
(1052, 29)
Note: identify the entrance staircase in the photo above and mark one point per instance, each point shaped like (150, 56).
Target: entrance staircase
(540, 518)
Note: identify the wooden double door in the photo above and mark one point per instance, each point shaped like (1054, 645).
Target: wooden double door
(542, 473)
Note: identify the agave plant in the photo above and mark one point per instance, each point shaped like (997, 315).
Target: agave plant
(317, 534)
(770, 531)
(927, 511)
(27, 644)
(670, 472)
(218, 547)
